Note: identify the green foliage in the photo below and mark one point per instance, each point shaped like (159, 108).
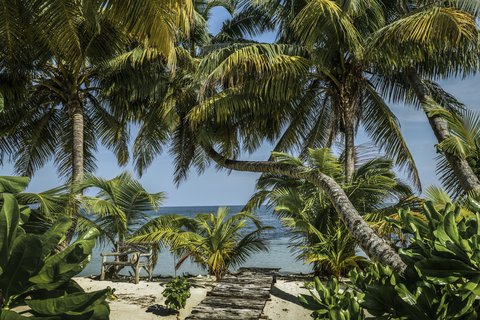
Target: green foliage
(33, 275)
(214, 241)
(464, 142)
(317, 233)
(62, 52)
(119, 207)
(442, 280)
(330, 301)
(176, 293)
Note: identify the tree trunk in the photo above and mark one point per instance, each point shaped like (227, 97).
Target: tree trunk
(464, 173)
(349, 151)
(347, 107)
(76, 112)
(376, 248)
(77, 132)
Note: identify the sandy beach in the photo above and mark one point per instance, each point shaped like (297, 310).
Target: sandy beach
(144, 301)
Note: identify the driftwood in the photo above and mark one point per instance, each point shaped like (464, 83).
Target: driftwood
(237, 296)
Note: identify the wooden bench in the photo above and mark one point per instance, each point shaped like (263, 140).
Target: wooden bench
(136, 256)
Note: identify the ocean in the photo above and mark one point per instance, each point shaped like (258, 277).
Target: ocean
(280, 255)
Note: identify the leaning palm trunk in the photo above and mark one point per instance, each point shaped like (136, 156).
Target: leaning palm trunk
(376, 248)
(464, 173)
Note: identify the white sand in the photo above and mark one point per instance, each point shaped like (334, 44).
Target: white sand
(141, 301)
(283, 304)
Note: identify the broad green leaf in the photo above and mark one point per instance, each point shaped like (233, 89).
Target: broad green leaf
(445, 268)
(74, 302)
(54, 235)
(59, 268)
(9, 219)
(25, 260)
(13, 184)
(6, 314)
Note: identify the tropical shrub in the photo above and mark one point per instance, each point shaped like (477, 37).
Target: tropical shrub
(215, 241)
(329, 301)
(176, 293)
(442, 279)
(36, 277)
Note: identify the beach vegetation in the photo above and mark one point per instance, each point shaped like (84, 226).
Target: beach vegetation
(34, 276)
(176, 293)
(119, 207)
(66, 54)
(218, 242)
(441, 280)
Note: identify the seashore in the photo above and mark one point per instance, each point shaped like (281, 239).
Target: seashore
(144, 301)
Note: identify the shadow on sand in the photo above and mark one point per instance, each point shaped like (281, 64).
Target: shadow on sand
(160, 310)
(284, 296)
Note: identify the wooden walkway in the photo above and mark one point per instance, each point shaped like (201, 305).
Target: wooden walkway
(238, 296)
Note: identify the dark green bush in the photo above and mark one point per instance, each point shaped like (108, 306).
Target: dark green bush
(33, 275)
(176, 293)
(442, 280)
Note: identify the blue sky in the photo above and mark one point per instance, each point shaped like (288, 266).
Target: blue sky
(220, 188)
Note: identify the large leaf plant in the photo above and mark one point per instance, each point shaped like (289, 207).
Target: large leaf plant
(36, 280)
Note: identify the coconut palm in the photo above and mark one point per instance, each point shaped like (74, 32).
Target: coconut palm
(389, 48)
(120, 206)
(326, 93)
(437, 40)
(164, 100)
(217, 242)
(237, 113)
(64, 110)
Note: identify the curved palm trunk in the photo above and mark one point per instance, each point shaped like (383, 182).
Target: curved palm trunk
(376, 247)
(464, 173)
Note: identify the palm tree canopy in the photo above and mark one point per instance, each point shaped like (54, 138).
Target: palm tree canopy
(216, 241)
(120, 206)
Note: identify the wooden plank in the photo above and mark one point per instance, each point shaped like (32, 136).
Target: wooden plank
(201, 312)
(240, 296)
(239, 303)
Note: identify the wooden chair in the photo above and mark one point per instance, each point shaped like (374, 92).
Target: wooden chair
(134, 255)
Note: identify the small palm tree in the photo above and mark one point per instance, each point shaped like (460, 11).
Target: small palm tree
(217, 242)
(120, 206)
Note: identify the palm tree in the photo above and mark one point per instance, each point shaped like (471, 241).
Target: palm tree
(217, 242)
(311, 218)
(323, 92)
(64, 110)
(198, 131)
(390, 46)
(164, 100)
(120, 207)
(437, 40)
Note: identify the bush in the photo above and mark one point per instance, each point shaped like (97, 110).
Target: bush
(176, 292)
(442, 279)
(35, 277)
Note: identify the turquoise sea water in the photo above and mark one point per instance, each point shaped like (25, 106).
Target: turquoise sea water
(280, 255)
